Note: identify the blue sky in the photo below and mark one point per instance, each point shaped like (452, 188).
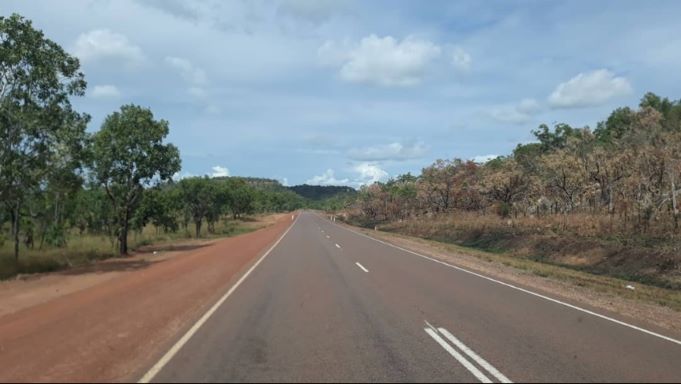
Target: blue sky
(349, 92)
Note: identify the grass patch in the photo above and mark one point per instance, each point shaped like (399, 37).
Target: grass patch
(572, 243)
(89, 248)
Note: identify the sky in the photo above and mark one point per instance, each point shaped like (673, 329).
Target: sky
(351, 92)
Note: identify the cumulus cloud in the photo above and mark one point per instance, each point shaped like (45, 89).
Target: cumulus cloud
(369, 173)
(519, 113)
(393, 151)
(589, 89)
(382, 61)
(461, 60)
(105, 92)
(104, 44)
(327, 178)
(219, 171)
(365, 173)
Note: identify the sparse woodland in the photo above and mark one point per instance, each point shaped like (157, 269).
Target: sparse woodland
(626, 170)
(65, 191)
(612, 188)
(603, 199)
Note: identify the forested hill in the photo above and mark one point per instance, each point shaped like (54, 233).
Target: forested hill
(310, 192)
(321, 192)
(258, 182)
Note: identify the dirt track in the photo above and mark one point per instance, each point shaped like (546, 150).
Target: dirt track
(119, 326)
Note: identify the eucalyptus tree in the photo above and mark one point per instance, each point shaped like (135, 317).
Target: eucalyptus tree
(199, 196)
(128, 155)
(40, 132)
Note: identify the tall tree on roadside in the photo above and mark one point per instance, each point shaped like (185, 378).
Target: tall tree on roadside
(128, 155)
(37, 123)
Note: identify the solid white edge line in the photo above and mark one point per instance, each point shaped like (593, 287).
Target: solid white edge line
(467, 364)
(482, 362)
(361, 266)
(651, 333)
(156, 368)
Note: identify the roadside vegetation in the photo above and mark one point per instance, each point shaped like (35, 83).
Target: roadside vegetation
(604, 201)
(69, 196)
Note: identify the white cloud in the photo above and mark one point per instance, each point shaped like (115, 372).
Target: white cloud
(190, 73)
(381, 61)
(520, 113)
(366, 173)
(370, 173)
(219, 171)
(105, 44)
(392, 151)
(182, 175)
(589, 89)
(105, 92)
(461, 60)
(327, 178)
(481, 159)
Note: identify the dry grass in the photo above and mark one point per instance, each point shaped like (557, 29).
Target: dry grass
(578, 224)
(581, 242)
(89, 248)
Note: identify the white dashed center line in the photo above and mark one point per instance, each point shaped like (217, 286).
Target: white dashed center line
(362, 267)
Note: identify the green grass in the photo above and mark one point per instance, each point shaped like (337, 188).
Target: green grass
(89, 248)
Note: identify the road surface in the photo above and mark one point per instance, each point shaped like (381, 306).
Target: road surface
(329, 304)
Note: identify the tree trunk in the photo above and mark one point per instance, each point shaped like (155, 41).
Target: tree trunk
(15, 231)
(675, 210)
(123, 236)
(198, 228)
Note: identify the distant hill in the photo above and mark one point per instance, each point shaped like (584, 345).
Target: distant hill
(321, 192)
(311, 193)
(257, 182)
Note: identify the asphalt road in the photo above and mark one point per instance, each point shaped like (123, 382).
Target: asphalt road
(328, 304)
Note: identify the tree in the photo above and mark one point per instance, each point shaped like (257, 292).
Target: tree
(199, 195)
(129, 155)
(505, 183)
(564, 177)
(240, 198)
(557, 139)
(437, 184)
(160, 206)
(37, 124)
(618, 123)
